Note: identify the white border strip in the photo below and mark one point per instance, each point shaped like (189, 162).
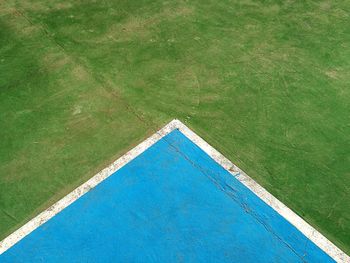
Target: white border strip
(43, 217)
(311, 233)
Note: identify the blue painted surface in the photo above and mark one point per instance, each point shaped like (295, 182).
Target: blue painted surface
(173, 203)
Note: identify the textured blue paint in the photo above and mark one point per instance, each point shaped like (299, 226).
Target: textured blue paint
(173, 203)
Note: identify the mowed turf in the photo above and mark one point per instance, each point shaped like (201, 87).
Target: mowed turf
(265, 82)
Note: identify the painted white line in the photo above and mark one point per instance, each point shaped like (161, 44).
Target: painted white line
(310, 232)
(278, 206)
(84, 188)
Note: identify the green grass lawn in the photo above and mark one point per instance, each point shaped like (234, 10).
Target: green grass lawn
(265, 82)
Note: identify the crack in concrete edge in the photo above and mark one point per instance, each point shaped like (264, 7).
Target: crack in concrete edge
(311, 233)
